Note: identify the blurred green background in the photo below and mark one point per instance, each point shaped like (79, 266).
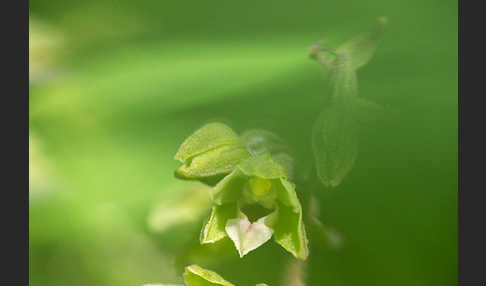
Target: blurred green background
(117, 85)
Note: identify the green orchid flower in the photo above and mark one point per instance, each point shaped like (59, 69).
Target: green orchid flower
(253, 197)
(253, 203)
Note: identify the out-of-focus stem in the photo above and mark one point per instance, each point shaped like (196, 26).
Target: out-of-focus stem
(294, 273)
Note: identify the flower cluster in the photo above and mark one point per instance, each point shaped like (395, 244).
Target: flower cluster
(253, 197)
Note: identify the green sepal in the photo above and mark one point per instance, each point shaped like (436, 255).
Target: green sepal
(206, 138)
(289, 229)
(214, 229)
(230, 188)
(213, 163)
(195, 275)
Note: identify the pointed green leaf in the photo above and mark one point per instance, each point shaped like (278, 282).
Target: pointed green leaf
(195, 275)
(214, 229)
(360, 49)
(206, 138)
(335, 143)
(246, 235)
(215, 162)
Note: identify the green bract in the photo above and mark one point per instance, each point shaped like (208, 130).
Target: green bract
(252, 196)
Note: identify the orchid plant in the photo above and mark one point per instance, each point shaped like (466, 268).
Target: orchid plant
(250, 175)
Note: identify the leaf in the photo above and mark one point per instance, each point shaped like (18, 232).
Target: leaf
(195, 275)
(214, 229)
(206, 138)
(360, 49)
(246, 235)
(335, 143)
(215, 162)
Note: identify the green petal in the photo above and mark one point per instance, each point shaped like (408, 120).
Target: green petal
(262, 166)
(230, 188)
(194, 275)
(208, 137)
(216, 162)
(214, 230)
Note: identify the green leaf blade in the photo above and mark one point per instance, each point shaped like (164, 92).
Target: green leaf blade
(214, 229)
